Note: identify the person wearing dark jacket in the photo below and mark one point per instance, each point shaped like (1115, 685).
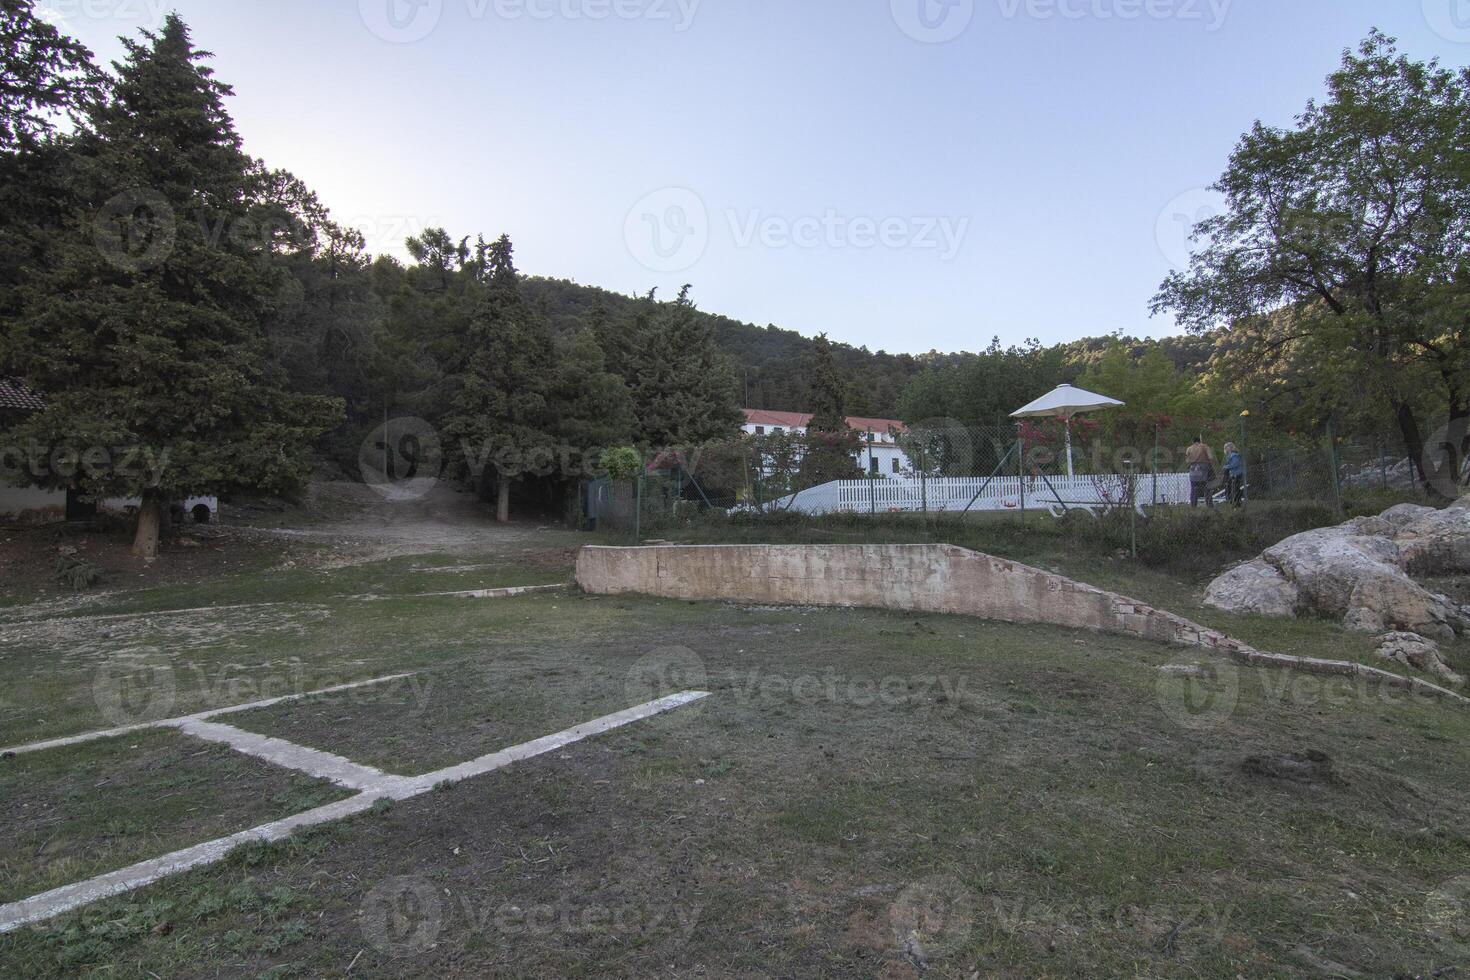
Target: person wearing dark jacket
(1234, 475)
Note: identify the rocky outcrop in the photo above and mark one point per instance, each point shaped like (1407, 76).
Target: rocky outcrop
(1415, 651)
(1362, 573)
(1255, 588)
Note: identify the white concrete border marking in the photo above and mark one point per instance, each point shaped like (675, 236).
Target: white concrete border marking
(57, 743)
(505, 593)
(289, 755)
(68, 898)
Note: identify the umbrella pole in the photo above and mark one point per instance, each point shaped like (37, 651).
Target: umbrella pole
(1068, 423)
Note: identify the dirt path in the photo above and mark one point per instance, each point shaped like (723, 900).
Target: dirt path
(371, 524)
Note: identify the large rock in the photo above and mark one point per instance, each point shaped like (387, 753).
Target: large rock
(1436, 542)
(1361, 572)
(1400, 514)
(1254, 588)
(1381, 603)
(1359, 578)
(1415, 651)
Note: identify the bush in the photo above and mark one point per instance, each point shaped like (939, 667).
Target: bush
(75, 572)
(622, 463)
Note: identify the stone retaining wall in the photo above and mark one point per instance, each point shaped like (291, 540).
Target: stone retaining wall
(919, 577)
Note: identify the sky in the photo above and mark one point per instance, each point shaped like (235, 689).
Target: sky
(902, 174)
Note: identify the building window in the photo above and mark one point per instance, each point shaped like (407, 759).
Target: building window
(760, 430)
(896, 468)
(873, 465)
(777, 430)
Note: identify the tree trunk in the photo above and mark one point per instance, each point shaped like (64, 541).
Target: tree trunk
(150, 521)
(502, 501)
(1413, 441)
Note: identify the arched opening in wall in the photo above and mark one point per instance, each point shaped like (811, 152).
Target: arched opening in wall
(201, 514)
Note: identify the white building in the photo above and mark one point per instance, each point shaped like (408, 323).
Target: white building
(35, 504)
(880, 454)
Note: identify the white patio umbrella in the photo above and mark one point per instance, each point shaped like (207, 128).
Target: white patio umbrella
(1063, 403)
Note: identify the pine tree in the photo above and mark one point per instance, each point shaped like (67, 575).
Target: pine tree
(592, 407)
(831, 445)
(143, 325)
(500, 417)
(43, 74)
(684, 392)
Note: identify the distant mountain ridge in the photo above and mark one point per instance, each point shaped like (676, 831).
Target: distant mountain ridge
(771, 362)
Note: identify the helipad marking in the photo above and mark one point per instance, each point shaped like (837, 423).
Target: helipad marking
(68, 898)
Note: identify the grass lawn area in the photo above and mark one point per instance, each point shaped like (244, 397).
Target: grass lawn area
(865, 794)
(76, 812)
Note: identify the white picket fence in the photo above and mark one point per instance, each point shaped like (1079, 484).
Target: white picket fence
(1056, 495)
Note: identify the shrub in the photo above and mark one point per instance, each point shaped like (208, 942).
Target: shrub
(75, 572)
(622, 463)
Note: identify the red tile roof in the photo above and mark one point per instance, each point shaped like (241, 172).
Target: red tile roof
(15, 394)
(799, 420)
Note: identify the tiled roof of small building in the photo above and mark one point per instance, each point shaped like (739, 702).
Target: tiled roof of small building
(15, 394)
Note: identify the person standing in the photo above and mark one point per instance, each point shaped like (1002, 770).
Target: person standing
(1201, 461)
(1234, 475)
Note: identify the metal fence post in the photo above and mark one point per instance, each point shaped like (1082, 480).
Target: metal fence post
(1245, 460)
(1336, 474)
(1155, 467)
(1021, 472)
(638, 504)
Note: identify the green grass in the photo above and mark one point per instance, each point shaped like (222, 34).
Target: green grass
(76, 812)
(1061, 806)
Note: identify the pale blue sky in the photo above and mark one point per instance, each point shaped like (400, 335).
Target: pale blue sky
(1010, 167)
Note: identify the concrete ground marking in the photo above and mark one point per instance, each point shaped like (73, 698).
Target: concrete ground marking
(69, 898)
(289, 755)
(505, 593)
(57, 743)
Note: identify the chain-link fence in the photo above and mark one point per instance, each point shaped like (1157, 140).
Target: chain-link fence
(1122, 490)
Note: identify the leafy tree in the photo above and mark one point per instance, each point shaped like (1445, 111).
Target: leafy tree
(984, 389)
(591, 406)
(831, 445)
(144, 325)
(500, 419)
(1161, 401)
(1340, 262)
